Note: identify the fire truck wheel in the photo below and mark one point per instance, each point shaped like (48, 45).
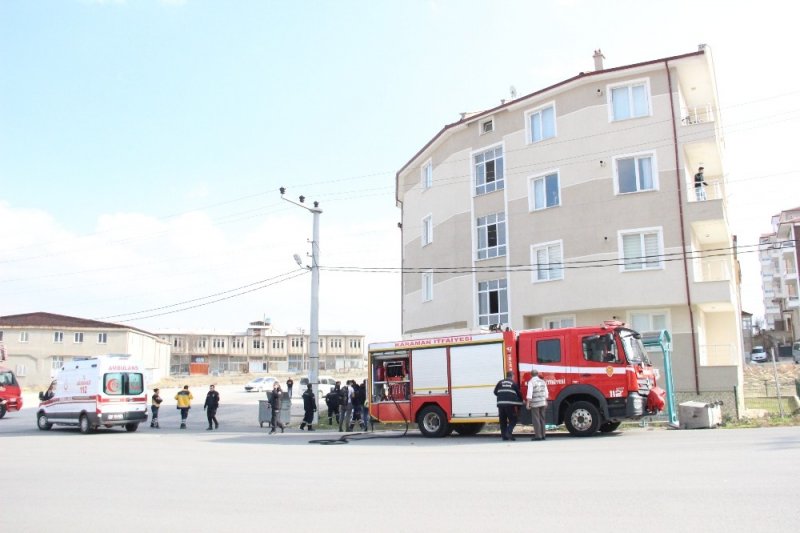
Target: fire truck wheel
(42, 423)
(84, 425)
(608, 427)
(466, 430)
(433, 422)
(582, 419)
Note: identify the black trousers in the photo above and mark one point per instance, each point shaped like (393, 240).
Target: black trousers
(333, 413)
(308, 418)
(211, 414)
(508, 419)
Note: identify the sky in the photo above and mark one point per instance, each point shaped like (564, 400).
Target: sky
(143, 142)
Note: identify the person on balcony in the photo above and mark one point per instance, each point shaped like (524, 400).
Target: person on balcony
(700, 185)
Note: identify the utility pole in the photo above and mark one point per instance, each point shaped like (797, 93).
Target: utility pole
(313, 359)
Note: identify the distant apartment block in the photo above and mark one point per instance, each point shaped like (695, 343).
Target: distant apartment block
(577, 204)
(261, 348)
(38, 344)
(779, 252)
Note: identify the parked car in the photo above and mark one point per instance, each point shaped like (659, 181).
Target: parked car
(758, 355)
(796, 352)
(326, 384)
(260, 384)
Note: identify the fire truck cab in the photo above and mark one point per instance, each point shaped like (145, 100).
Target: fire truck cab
(596, 377)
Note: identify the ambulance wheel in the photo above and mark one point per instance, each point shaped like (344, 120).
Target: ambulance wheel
(608, 427)
(84, 425)
(130, 428)
(582, 419)
(466, 430)
(42, 423)
(433, 422)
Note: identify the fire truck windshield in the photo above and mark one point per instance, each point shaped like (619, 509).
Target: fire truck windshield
(634, 349)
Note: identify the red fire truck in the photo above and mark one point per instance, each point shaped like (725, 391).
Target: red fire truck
(596, 376)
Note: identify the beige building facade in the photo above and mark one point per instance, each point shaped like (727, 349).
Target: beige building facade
(779, 252)
(38, 344)
(261, 348)
(577, 204)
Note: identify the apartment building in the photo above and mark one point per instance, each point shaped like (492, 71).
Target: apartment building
(261, 348)
(577, 204)
(779, 252)
(38, 344)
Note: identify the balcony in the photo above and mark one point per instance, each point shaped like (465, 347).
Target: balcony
(701, 114)
(712, 269)
(715, 190)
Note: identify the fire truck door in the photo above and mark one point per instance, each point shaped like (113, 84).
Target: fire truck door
(602, 365)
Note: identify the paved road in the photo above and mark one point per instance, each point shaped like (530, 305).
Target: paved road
(239, 478)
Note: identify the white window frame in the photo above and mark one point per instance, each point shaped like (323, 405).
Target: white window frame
(636, 156)
(426, 237)
(532, 196)
(426, 175)
(23, 336)
(499, 181)
(499, 286)
(58, 337)
(484, 123)
(650, 314)
(538, 111)
(500, 248)
(56, 362)
(551, 273)
(102, 338)
(427, 286)
(77, 338)
(629, 84)
(658, 230)
(561, 319)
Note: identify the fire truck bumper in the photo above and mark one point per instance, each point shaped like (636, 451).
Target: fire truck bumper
(635, 406)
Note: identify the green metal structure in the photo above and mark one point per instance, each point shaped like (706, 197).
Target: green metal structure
(663, 340)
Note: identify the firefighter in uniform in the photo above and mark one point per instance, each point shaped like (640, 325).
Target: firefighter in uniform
(509, 401)
(310, 407)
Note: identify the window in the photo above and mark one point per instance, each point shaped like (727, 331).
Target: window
(336, 343)
(102, 338)
(641, 249)
(630, 101)
(556, 322)
(547, 261)
(57, 362)
(427, 286)
(492, 236)
(487, 126)
(548, 351)
(355, 344)
(258, 344)
(23, 336)
(201, 343)
(542, 124)
(636, 174)
(544, 192)
(427, 175)
(489, 170)
(177, 342)
(278, 344)
(649, 320)
(1, 336)
(427, 230)
(119, 383)
(600, 349)
(78, 337)
(218, 343)
(492, 302)
(237, 342)
(58, 336)
(297, 342)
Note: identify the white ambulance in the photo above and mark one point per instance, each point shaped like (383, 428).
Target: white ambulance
(107, 390)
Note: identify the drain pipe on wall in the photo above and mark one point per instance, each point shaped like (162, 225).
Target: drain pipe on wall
(683, 233)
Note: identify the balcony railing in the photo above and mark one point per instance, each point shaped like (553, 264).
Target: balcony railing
(713, 191)
(697, 114)
(713, 269)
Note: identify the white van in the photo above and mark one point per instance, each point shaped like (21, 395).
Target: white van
(107, 390)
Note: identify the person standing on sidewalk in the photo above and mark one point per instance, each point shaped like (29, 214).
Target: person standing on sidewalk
(275, 399)
(310, 407)
(155, 403)
(289, 385)
(509, 400)
(332, 400)
(347, 406)
(536, 401)
(184, 399)
(211, 406)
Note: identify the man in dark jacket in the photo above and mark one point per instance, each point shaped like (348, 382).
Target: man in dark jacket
(275, 398)
(509, 400)
(211, 405)
(332, 400)
(310, 407)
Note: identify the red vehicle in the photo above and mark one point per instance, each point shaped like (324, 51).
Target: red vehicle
(10, 394)
(596, 376)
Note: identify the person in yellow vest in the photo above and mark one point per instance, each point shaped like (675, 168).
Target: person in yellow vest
(184, 399)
